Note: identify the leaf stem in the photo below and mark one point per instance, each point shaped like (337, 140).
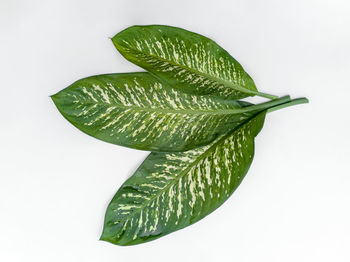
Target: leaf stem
(293, 102)
(267, 105)
(266, 95)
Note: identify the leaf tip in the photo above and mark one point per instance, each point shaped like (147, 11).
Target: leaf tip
(54, 97)
(105, 237)
(102, 238)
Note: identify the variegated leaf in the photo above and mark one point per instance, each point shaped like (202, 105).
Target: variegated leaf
(170, 191)
(186, 60)
(137, 110)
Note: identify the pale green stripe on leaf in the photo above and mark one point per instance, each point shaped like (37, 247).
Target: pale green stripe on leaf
(170, 191)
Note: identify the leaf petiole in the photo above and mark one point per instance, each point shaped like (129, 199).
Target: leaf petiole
(268, 104)
(266, 95)
(296, 101)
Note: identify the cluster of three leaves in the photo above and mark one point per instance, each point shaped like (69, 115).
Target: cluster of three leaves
(187, 111)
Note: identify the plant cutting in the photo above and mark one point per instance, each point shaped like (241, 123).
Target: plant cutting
(187, 109)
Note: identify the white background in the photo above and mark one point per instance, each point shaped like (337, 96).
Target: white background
(56, 182)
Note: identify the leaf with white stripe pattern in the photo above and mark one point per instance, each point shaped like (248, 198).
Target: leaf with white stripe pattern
(186, 60)
(138, 111)
(170, 191)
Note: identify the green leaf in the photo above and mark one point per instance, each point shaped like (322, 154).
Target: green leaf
(186, 60)
(138, 111)
(170, 191)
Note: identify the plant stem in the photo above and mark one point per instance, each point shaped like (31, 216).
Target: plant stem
(269, 104)
(266, 95)
(293, 102)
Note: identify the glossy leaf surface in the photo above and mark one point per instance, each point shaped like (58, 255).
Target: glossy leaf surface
(170, 191)
(186, 60)
(137, 110)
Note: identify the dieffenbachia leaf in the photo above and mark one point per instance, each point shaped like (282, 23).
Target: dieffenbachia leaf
(186, 60)
(138, 111)
(170, 191)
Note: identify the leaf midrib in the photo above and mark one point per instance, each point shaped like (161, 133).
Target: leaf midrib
(210, 77)
(174, 111)
(251, 108)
